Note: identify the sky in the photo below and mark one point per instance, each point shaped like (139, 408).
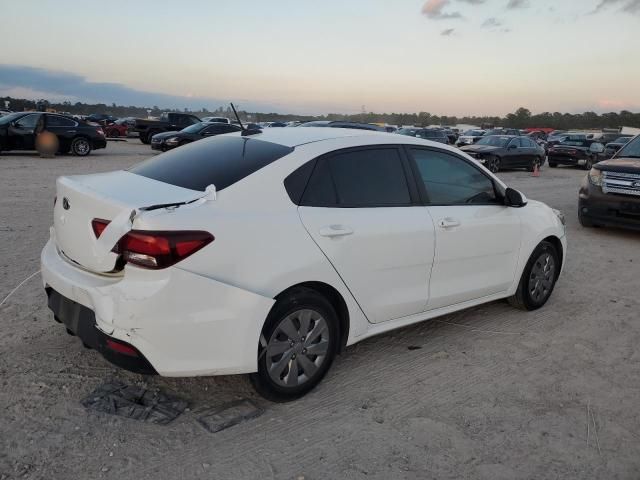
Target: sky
(446, 57)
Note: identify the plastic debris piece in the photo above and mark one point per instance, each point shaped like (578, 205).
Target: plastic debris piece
(216, 419)
(117, 398)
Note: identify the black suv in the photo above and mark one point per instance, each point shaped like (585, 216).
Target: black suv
(19, 131)
(610, 193)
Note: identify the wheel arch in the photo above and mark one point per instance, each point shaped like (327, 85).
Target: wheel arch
(334, 297)
(555, 241)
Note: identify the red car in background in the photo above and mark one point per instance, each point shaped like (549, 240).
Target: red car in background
(116, 129)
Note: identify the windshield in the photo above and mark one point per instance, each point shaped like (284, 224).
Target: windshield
(411, 132)
(631, 149)
(474, 133)
(622, 140)
(195, 128)
(494, 141)
(10, 118)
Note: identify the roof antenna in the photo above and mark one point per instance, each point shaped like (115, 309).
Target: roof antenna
(245, 131)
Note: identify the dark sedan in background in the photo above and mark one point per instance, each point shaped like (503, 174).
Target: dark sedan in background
(506, 151)
(433, 134)
(19, 131)
(611, 148)
(168, 140)
(576, 150)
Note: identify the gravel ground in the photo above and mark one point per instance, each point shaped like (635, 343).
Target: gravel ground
(487, 393)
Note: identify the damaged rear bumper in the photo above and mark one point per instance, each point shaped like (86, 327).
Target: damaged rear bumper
(182, 323)
(81, 322)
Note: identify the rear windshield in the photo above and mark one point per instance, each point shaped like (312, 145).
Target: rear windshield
(221, 161)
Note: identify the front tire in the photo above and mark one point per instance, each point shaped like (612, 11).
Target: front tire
(81, 147)
(588, 164)
(300, 341)
(493, 164)
(538, 278)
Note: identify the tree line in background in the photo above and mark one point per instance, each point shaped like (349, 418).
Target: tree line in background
(521, 118)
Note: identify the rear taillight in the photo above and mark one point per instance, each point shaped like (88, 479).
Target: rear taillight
(100, 131)
(156, 250)
(98, 226)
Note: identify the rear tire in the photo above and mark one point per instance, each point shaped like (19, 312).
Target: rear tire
(553, 164)
(588, 164)
(145, 139)
(538, 278)
(80, 147)
(301, 337)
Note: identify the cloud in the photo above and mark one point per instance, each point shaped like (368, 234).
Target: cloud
(447, 32)
(31, 82)
(627, 6)
(517, 4)
(474, 2)
(434, 9)
(491, 22)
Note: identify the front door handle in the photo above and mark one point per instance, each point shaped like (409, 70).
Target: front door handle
(335, 231)
(448, 222)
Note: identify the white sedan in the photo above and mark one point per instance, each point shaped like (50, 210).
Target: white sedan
(269, 253)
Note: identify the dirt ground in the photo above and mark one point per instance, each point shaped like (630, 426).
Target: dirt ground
(489, 393)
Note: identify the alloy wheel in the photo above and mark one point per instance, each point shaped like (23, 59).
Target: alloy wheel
(81, 147)
(297, 348)
(542, 277)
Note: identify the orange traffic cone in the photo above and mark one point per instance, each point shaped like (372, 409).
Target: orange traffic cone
(536, 171)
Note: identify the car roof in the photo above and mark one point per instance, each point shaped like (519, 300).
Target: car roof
(292, 137)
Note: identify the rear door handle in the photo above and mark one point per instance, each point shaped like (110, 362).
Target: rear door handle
(335, 231)
(448, 222)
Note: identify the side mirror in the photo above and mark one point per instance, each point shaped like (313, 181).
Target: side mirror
(596, 148)
(513, 198)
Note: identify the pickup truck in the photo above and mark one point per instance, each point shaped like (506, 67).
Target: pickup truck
(169, 121)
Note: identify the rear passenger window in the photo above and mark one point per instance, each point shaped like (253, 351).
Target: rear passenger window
(320, 191)
(221, 161)
(449, 180)
(362, 178)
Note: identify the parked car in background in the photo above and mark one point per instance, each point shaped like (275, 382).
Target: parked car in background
(169, 121)
(470, 137)
(432, 134)
(19, 131)
(216, 119)
(558, 136)
(339, 124)
(497, 152)
(100, 118)
(611, 148)
(191, 283)
(503, 131)
(576, 150)
(610, 193)
(4, 112)
(169, 140)
(119, 128)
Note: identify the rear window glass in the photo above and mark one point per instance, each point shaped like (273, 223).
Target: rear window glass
(221, 161)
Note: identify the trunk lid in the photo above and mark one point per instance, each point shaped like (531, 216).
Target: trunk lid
(114, 196)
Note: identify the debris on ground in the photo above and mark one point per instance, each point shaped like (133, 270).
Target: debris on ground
(217, 419)
(137, 403)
